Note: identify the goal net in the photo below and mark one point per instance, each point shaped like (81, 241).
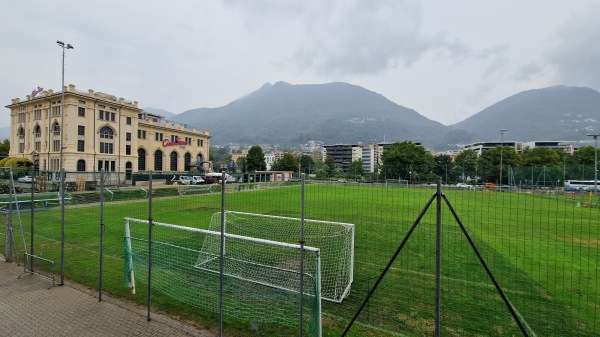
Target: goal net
(396, 183)
(261, 278)
(335, 240)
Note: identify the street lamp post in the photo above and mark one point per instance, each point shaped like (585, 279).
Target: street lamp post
(501, 150)
(595, 135)
(61, 188)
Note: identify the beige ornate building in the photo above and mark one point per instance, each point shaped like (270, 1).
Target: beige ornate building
(101, 131)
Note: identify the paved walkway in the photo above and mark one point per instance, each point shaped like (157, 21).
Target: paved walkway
(29, 308)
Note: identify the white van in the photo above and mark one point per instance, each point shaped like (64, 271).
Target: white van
(191, 180)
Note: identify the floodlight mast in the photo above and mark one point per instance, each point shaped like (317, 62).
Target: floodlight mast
(62, 169)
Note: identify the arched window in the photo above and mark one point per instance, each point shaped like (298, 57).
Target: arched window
(81, 165)
(21, 132)
(56, 128)
(141, 160)
(158, 160)
(173, 161)
(200, 158)
(106, 133)
(187, 161)
(37, 131)
(106, 140)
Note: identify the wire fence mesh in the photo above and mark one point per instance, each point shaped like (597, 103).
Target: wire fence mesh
(540, 242)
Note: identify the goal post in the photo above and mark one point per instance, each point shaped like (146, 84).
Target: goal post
(396, 183)
(261, 278)
(335, 240)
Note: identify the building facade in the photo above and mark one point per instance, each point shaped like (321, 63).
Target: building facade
(100, 132)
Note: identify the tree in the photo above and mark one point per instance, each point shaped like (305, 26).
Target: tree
(355, 169)
(4, 148)
(255, 160)
(443, 167)
(541, 156)
(584, 155)
(330, 166)
(406, 160)
(242, 165)
(489, 163)
(286, 163)
(306, 163)
(465, 165)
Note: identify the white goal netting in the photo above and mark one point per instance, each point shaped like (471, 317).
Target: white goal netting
(335, 240)
(261, 278)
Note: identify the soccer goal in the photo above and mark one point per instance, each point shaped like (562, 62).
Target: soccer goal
(335, 240)
(396, 183)
(261, 278)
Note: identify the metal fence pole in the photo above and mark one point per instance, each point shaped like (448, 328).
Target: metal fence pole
(302, 255)
(32, 215)
(101, 232)
(222, 255)
(149, 243)
(438, 259)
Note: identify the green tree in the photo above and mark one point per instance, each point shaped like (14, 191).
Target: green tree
(4, 148)
(489, 163)
(355, 169)
(306, 163)
(288, 162)
(443, 168)
(465, 165)
(406, 160)
(255, 159)
(330, 166)
(241, 165)
(584, 155)
(540, 156)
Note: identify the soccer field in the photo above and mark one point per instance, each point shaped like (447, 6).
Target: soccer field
(542, 248)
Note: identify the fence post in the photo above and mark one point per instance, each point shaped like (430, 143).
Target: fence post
(149, 243)
(101, 233)
(222, 255)
(438, 258)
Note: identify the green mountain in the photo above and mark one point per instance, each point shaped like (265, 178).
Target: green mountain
(283, 113)
(554, 113)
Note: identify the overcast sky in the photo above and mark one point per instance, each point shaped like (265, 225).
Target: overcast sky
(445, 59)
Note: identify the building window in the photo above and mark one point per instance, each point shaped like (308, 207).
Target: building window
(173, 161)
(187, 161)
(106, 133)
(200, 142)
(112, 116)
(188, 140)
(141, 160)
(112, 165)
(159, 136)
(38, 146)
(55, 111)
(127, 149)
(81, 111)
(56, 145)
(158, 160)
(21, 133)
(21, 117)
(21, 147)
(173, 138)
(106, 147)
(37, 131)
(81, 145)
(56, 128)
(80, 130)
(128, 119)
(81, 165)
(101, 114)
(37, 114)
(142, 134)
(128, 136)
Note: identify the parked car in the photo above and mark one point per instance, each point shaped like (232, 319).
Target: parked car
(363, 181)
(463, 185)
(25, 179)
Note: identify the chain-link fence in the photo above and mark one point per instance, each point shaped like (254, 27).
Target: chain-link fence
(541, 244)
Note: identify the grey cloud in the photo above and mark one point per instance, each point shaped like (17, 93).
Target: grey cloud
(575, 53)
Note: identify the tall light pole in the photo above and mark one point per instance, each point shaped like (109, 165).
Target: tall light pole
(501, 150)
(595, 135)
(61, 188)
